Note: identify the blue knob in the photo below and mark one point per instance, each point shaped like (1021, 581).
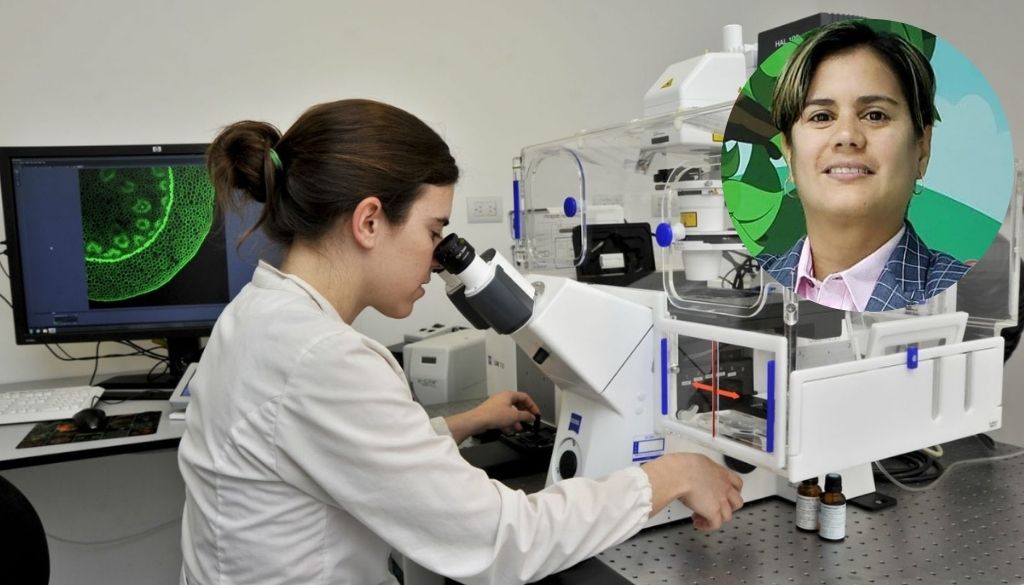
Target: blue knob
(663, 235)
(570, 207)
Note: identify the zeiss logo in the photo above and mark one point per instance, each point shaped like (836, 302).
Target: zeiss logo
(575, 422)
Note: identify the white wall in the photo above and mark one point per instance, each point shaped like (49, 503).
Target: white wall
(491, 77)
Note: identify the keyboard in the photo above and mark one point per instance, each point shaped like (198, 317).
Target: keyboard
(23, 406)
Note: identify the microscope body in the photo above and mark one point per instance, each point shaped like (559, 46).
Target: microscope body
(623, 364)
(605, 366)
(600, 347)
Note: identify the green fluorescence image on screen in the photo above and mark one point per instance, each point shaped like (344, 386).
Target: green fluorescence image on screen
(141, 226)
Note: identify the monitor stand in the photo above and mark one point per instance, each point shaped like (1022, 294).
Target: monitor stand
(181, 352)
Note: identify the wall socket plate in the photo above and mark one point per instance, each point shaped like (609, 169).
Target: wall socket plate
(483, 209)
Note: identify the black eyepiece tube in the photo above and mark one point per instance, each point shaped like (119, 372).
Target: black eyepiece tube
(454, 254)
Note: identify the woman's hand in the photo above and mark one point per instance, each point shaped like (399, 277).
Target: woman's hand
(506, 410)
(711, 491)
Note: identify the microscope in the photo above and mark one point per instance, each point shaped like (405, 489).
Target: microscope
(624, 362)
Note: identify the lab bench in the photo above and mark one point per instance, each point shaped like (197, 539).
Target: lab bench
(969, 528)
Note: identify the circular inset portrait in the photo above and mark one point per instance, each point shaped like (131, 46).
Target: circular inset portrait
(867, 164)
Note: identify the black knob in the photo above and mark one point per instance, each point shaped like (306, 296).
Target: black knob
(567, 465)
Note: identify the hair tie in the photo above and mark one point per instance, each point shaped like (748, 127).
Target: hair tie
(276, 159)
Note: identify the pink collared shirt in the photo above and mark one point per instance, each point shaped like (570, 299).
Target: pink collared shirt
(849, 290)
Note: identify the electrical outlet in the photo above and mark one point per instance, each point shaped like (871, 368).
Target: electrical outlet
(483, 209)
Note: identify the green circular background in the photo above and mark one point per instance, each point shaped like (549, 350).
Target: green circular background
(141, 226)
(754, 176)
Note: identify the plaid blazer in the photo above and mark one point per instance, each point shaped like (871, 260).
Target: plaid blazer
(912, 274)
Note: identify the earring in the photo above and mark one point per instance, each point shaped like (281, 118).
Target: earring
(791, 193)
(918, 187)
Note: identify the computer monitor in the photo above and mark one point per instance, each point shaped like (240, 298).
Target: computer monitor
(120, 243)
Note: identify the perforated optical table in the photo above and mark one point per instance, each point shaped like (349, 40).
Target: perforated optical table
(968, 529)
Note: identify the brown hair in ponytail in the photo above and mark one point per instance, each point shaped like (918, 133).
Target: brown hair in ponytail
(335, 155)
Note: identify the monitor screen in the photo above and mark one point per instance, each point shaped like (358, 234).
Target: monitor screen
(120, 242)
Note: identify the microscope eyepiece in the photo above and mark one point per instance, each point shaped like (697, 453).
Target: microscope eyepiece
(454, 254)
(482, 288)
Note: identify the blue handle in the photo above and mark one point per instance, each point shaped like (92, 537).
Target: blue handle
(516, 229)
(770, 423)
(912, 357)
(664, 376)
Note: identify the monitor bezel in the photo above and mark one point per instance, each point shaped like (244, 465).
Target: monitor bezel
(22, 335)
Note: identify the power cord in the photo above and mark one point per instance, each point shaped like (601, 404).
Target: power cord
(95, 364)
(137, 351)
(944, 475)
(910, 468)
(6, 274)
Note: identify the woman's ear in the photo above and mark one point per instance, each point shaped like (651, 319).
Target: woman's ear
(367, 222)
(787, 152)
(924, 152)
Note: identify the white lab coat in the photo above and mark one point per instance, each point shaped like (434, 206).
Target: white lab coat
(306, 460)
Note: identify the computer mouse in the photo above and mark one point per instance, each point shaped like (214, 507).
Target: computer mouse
(90, 419)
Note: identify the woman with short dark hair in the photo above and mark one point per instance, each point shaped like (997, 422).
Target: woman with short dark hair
(856, 110)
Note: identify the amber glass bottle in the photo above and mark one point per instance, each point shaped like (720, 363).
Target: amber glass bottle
(832, 513)
(808, 496)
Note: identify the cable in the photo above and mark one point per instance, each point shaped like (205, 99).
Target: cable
(167, 367)
(913, 467)
(675, 173)
(139, 351)
(7, 274)
(140, 534)
(986, 440)
(739, 270)
(2, 267)
(744, 269)
(146, 351)
(724, 279)
(65, 358)
(949, 469)
(687, 356)
(95, 364)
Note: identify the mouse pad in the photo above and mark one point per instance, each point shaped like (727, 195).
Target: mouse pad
(59, 432)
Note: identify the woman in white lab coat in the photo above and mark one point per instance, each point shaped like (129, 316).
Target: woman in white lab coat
(305, 458)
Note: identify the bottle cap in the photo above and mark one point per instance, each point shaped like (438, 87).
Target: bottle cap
(811, 481)
(833, 482)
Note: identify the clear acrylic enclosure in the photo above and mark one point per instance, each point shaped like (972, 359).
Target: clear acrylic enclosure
(660, 175)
